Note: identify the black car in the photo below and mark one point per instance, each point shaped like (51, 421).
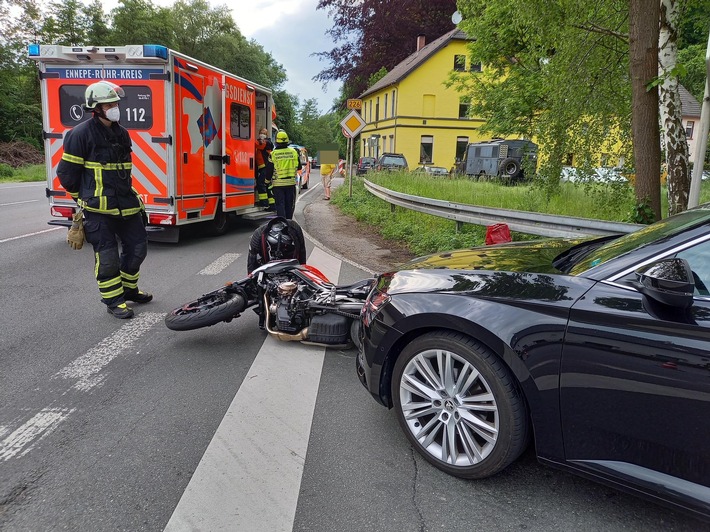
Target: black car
(391, 162)
(364, 164)
(597, 350)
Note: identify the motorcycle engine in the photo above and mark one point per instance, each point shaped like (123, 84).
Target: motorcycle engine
(288, 303)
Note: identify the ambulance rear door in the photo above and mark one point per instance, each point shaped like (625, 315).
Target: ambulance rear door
(238, 144)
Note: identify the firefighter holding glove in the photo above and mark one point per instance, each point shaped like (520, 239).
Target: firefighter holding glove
(96, 171)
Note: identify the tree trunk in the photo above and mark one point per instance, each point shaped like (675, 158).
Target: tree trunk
(643, 59)
(672, 128)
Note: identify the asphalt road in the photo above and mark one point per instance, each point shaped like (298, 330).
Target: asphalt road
(113, 425)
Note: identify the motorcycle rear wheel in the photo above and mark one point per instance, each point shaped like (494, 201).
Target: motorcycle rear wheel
(207, 310)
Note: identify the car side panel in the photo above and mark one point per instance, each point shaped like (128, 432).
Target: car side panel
(635, 389)
(526, 333)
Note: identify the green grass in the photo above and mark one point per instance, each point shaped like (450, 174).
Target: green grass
(424, 234)
(23, 174)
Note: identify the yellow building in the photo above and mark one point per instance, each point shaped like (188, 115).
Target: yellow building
(411, 111)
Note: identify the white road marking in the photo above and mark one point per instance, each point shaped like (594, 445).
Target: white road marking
(32, 234)
(37, 184)
(250, 475)
(23, 439)
(18, 202)
(87, 370)
(220, 264)
(86, 367)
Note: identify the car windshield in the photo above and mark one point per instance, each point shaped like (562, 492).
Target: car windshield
(392, 160)
(591, 254)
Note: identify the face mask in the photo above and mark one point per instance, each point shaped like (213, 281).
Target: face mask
(262, 137)
(113, 114)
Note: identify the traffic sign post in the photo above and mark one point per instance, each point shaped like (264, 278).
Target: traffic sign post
(352, 124)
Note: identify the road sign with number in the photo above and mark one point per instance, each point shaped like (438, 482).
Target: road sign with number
(354, 104)
(353, 123)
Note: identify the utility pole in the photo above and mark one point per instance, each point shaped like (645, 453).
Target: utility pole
(702, 146)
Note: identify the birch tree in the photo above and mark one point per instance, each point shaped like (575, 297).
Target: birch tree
(675, 141)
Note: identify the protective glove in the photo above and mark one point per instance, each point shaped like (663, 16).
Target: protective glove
(75, 236)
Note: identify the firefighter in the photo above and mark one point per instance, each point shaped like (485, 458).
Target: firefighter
(286, 163)
(95, 169)
(264, 169)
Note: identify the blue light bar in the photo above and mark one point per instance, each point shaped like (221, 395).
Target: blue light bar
(155, 50)
(33, 50)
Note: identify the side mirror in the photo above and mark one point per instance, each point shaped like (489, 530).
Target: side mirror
(669, 281)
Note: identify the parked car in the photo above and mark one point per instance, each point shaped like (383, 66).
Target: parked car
(432, 170)
(391, 162)
(364, 164)
(507, 160)
(603, 174)
(598, 349)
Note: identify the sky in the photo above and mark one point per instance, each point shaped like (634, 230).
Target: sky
(291, 31)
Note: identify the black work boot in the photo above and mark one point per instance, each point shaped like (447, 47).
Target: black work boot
(137, 296)
(120, 311)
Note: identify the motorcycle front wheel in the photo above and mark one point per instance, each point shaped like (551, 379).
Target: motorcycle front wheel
(205, 311)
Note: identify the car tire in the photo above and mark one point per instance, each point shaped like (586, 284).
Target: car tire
(487, 434)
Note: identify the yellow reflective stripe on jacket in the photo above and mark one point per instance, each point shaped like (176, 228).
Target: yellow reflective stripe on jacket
(109, 166)
(72, 158)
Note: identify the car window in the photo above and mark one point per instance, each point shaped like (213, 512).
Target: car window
(659, 230)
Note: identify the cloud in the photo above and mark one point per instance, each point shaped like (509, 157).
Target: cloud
(295, 33)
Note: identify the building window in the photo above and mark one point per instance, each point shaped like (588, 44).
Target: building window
(460, 63)
(427, 149)
(384, 110)
(461, 143)
(392, 114)
(392, 143)
(364, 111)
(370, 117)
(377, 109)
(689, 129)
(464, 106)
(475, 67)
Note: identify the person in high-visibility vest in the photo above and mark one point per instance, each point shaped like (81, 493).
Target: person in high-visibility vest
(286, 163)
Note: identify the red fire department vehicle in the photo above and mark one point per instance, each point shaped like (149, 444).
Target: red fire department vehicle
(193, 129)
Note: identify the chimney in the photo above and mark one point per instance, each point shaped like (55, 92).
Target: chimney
(421, 41)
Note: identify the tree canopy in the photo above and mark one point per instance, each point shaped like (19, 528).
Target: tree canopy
(372, 34)
(192, 27)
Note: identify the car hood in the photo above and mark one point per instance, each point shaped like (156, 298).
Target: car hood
(531, 256)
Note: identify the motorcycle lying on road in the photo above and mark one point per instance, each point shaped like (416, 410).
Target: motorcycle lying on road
(294, 302)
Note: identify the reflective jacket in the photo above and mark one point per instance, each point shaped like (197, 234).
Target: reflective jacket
(96, 169)
(263, 153)
(286, 162)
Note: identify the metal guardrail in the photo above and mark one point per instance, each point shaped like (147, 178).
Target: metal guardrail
(533, 223)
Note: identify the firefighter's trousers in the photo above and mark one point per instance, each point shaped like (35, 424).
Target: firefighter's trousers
(264, 186)
(116, 271)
